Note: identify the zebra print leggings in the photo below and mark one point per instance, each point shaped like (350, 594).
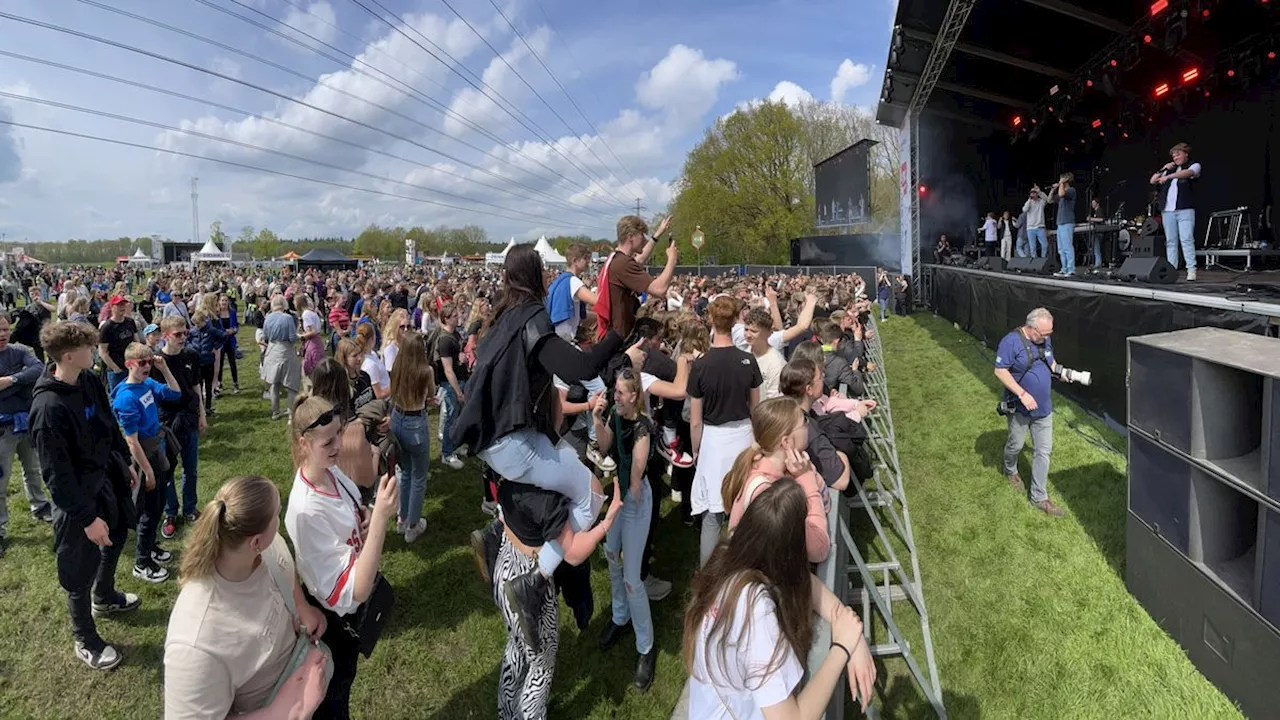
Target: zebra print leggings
(524, 683)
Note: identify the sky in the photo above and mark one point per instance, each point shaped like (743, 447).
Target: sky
(527, 117)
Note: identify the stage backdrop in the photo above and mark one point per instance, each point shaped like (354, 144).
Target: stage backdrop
(870, 249)
(1090, 330)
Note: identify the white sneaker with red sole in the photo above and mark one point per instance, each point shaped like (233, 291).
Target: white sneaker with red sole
(674, 456)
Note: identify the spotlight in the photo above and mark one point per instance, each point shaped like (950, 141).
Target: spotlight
(1147, 39)
(1158, 7)
(1096, 124)
(1017, 120)
(1190, 75)
(923, 190)
(1162, 89)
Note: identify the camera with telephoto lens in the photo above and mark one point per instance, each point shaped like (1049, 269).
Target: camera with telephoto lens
(1079, 377)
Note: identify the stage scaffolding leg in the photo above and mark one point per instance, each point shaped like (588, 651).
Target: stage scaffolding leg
(882, 502)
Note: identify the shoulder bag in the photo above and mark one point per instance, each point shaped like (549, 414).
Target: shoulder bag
(302, 644)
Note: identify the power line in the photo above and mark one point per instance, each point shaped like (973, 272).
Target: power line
(515, 72)
(536, 56)
(412, 93)
(259, 148)
(228, 78)
(541, 134)
(246, 166)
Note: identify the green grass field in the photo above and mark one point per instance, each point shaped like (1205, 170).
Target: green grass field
(1030, 615)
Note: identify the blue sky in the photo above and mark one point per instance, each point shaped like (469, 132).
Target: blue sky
(650, 77)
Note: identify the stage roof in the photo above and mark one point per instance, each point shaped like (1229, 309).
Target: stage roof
(1010, 53)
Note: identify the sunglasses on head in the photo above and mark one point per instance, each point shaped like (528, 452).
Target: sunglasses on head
(325, 418)
(406, 327)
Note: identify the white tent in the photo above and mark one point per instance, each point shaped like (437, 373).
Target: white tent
(548, 253)
(498, 257)
(210, 253)
(140, 258)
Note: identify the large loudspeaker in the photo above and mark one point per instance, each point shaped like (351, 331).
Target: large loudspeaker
(998, 264)
(1019, 264)
(1148, 270)
(1043, 266)
(1203, 536)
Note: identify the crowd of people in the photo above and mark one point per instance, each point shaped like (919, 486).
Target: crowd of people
(586, 395)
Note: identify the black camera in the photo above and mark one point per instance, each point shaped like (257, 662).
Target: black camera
(1007, 406)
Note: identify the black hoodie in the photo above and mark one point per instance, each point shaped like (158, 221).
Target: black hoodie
(75, 433)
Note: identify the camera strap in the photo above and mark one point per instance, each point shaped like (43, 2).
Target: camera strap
(1034, 355)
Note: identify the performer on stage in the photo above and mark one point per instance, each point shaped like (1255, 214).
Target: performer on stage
(1065, 196)
(1095, 238)
(1178, 180)
(1034, 208)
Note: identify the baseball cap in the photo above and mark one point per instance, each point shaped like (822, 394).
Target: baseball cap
(117, 300)
(150, 329)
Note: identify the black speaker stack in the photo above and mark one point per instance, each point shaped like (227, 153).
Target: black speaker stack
(1148, 270)
(1035, 266)
(1203, 528)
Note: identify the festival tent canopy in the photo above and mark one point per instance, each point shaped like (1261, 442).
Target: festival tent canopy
(290, 256)
(325, 258)
(139, 258)
(548, 253)
(210, 253)
(498, 257)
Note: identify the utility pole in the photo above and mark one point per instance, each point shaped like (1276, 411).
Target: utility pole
(195, 211)
(638, 207)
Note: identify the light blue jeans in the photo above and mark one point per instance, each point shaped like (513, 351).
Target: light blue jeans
(1039, 241)
(1023, 248)
(627, 536)
(1067, 248)
(593, 385)
(527, 456)
(1180, 229)
(448, 413)
(414, 436)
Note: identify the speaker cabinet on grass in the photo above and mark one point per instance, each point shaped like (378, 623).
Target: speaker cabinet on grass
(1203, 552)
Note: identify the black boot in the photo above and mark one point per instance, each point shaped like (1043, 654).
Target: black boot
(612, 634)
(645, 668)
(525, 595)
(485, 544)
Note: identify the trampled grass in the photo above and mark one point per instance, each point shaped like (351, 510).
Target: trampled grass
(1030, 615)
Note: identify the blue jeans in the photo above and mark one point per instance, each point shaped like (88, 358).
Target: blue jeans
(1039, 242)
(1095, 246)
(882, 298)
(593, 385)
(189, 442)
(527, 456)
(1023, 248)
(627, 536)
(1180, 229)
(1067, 248)
(414, 436)
(449, 413)
(115, 378)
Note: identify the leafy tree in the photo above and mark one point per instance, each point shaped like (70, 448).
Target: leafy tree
(216, 234)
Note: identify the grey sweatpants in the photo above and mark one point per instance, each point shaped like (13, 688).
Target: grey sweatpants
(12, 443)
(1041, 439)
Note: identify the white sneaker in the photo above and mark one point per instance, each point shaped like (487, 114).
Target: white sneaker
(151, 572)
(600, 460)
(677, 496)
(400, 526)
(1191, 274)
(461, 452)
(452, 461)
(104, 660)
(416, 531)
(656, 588)
(674, 456)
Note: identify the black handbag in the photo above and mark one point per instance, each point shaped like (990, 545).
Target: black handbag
(366, 623)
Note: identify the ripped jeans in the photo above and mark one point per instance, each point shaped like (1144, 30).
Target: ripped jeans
(627, 536)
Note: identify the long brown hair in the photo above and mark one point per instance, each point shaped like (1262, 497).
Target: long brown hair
(412, 379)
(240, 509)
(521, 280)
(771, 421)
(766, 550)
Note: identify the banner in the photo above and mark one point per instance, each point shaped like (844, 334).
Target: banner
(907, 196)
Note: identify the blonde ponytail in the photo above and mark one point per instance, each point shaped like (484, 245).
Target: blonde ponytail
(242, 507)
(771, 421)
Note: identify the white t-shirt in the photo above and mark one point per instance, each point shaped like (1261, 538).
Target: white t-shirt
(228, 642)
(377, 372)
(325, 528)
(771, 364)
(569, 328)
(1171, 203)
(989, 228)
(736, 691)
(389, 352)
(310, 321)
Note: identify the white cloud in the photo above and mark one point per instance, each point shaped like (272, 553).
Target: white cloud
(318, 20)
(848, 76)
(790, 94)
(685, 85)
(226, 66)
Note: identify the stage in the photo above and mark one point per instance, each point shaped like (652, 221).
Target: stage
(1094, 317)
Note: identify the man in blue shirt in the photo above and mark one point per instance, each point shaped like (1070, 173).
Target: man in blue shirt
(134, 403)
(1065, 196)
(1026, 367)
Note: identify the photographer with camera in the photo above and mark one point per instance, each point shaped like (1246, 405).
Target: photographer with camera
(1026, 367)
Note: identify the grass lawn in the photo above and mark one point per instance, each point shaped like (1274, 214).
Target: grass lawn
(1030, 615)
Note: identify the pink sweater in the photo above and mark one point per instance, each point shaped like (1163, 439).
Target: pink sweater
(817, 534)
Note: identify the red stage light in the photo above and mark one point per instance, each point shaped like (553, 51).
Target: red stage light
(1191, 74)
(1231, 73)
(1125, 135)
(1097, 124)
(1206, 93)
(1162, 89)
(1146, 39)
(1205, 13)
(1114, 63)
(923, 190)
(1159, 6)
(1271, 55)
(1088, 83)
(1017, 120)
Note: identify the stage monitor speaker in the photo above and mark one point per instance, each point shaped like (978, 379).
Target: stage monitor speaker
(997, 264)
(1019, 264)
(1148, 270)
(1043, 266)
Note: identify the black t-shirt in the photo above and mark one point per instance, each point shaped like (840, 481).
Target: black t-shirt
(659, 365)
(185, 366)
(533, 515)
(117, 336)
(723, 378)
(399, 300)
(361, 390)
(449, 345)
(625, 434)
(823, 453)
